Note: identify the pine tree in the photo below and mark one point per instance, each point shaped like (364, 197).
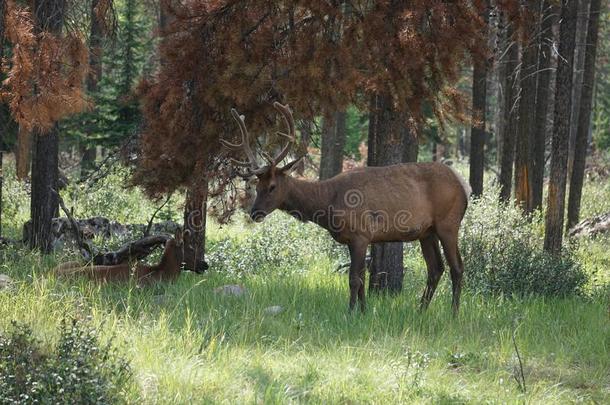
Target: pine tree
(561, 129)
(527, 108)
(543, 93)
(584, 116)
(49, 16)
(478, 130)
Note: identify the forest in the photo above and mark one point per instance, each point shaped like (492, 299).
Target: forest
(324, 201)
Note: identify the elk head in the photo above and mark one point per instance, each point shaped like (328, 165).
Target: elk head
(271, 190)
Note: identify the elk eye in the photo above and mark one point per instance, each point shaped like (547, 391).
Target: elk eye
(271, 188)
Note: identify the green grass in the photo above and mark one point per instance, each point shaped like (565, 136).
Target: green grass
(188, 344)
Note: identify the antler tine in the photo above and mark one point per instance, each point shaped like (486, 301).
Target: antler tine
(244, 145)
(284, 110)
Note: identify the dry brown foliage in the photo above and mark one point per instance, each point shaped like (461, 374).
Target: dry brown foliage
(316, 56)
(45, 73)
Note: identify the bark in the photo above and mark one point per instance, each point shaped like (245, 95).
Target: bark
(579, 63)
(584, 116)
(543, 95)
(45, 173)
(23, 154)
(561, 129)
(194, 226)
(44, 204)
(96, 35)
(527, 105)
(387, 132)
(333, 143)
(4, 116)
(508, 76)
(477, 132)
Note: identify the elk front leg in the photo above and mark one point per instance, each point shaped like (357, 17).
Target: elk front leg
(357, 252)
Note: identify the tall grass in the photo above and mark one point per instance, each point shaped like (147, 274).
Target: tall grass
(187, 343)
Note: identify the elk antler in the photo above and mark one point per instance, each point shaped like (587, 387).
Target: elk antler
(252, 166)
(291, 135)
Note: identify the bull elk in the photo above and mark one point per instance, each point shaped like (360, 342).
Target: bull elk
(403, 202)
(168, 269)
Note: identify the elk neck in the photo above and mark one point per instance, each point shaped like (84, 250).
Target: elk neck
(307, 200)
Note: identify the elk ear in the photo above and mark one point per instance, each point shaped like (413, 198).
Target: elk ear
(290, 166)
(186, 236)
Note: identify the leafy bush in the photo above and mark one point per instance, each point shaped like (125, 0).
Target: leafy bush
(78, 370)
(15, 202)
(280, 242)
(503, 253)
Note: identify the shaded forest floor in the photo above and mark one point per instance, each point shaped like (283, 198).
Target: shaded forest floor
(189, 344)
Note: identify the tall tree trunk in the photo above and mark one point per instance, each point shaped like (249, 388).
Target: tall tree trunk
(508, 75)
(584, 116)
(527, 105)
(4, 116)
(579, 63)
(96, 35)
(477, 131)
(49, 16)
(543, 86)
(561, 128)
(333, 143)
(194, 226)
(386, 146)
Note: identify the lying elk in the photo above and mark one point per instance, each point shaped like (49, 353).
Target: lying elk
(168, 268)
(403, 202)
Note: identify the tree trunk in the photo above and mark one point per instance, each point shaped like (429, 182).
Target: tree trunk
(4, 116)
(561, 128)
(194, 226)
(333, 143)
(387, 132)
(508, 75)
(45, 154)
(584, 116)
(44, 202)
(477, 131)
(547, 20)
(96, 36)
(527, 105)
(579, 63)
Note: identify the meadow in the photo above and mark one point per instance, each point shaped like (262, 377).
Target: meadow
(515, 340)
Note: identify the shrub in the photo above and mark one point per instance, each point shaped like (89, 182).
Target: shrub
(280, 242)
(78, 370)
(503, 253)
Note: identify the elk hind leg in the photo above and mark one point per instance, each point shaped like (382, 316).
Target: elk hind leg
(449, 240)
(434, 263)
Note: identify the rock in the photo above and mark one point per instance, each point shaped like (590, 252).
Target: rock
(274, 310)
(231, 289)
(592, 226)
(5, 282)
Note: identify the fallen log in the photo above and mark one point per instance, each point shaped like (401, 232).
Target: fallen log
(592, 226)
(131, 251)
